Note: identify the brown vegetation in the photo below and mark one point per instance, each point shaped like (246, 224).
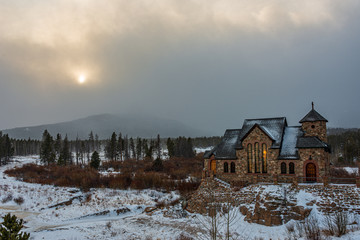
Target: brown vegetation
(340, 175)
(177, 174)
(336, 172)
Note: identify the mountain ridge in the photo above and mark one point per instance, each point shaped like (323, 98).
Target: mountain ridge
(105, 124)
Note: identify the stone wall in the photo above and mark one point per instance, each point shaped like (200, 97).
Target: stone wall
(315, 129)
(277, 204)
(241, 164)
(318, 156)
(208, 192)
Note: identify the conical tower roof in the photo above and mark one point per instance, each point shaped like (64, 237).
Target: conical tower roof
(313, 116)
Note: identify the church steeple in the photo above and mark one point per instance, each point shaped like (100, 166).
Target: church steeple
(313, 116)
(314, 124)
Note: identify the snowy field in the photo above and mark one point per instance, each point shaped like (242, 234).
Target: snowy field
(67, 213)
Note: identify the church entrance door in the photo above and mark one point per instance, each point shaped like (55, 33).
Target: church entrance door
(310, 172)
(213, 166)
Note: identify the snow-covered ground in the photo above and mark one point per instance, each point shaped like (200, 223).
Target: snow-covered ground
(98, 214)
(352, 170)
(67, 213)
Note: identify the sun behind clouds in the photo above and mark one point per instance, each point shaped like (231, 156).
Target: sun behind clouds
(81, 79)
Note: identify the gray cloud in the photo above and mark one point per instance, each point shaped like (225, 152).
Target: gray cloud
(207, 63)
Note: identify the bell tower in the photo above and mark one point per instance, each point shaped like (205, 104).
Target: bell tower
(314, 125)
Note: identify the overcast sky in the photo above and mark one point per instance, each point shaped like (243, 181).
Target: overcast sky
(207, 63)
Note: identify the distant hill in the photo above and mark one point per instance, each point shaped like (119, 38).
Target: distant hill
(105, 124)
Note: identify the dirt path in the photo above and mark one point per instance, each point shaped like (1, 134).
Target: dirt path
(20, 214)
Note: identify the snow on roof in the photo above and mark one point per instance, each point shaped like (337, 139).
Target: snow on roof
(268, 132)
(273, 126)
(313, 116)
(288, 139)
(226, 148)
(288, 148)
(311, 142)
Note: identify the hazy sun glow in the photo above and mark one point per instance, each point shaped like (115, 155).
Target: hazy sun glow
(81, 79)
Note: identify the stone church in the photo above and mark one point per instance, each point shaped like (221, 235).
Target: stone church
(268, 150)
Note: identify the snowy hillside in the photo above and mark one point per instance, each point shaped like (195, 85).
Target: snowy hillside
(67, 213)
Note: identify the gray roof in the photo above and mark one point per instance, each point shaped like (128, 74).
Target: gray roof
(273, 127)
(313, 116)
(311, 142)
(226, 148)
(288, 139)
(288, 148)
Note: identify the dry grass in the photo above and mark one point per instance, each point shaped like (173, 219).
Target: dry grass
(134, 174)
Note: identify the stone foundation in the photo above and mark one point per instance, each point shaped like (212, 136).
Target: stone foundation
(269, 205)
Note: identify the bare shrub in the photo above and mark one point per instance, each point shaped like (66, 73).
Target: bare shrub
(341, 221)
(311, 228)
(161, 204)
(291, 231)
(108, 225)
(116, 165)
(8, 198)
(187, 187)
(337, 224)
(88, 197)
(19, 200)
(183, 236)
(136, 174)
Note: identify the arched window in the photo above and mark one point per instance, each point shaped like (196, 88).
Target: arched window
(232, 167)
(291, 168)
(257, 157)
(226, 167)
(283, 168)
(264, 158)
(249, 157)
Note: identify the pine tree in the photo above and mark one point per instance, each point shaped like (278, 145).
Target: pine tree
(120, 147)
(148, 150)
(132, 147)
(91, 142)
(189, 149)
(6, 149)
(145, 147)
(65, 157)
(158, 146)
(183, 147)
(10, 229)
(126, 148)
(138, 148)
(95, 160)
(47, 153)
(171, 147)
(58, 145)
(82, 152)
(97, 143)
(77, 150)
(111, 148)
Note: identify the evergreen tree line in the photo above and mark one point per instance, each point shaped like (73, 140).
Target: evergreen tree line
(24, 147)
(6, 149)
(180, 147)
(64, 152)
(120, 147)
(345, 147)
(60, 150)
(204, 142)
